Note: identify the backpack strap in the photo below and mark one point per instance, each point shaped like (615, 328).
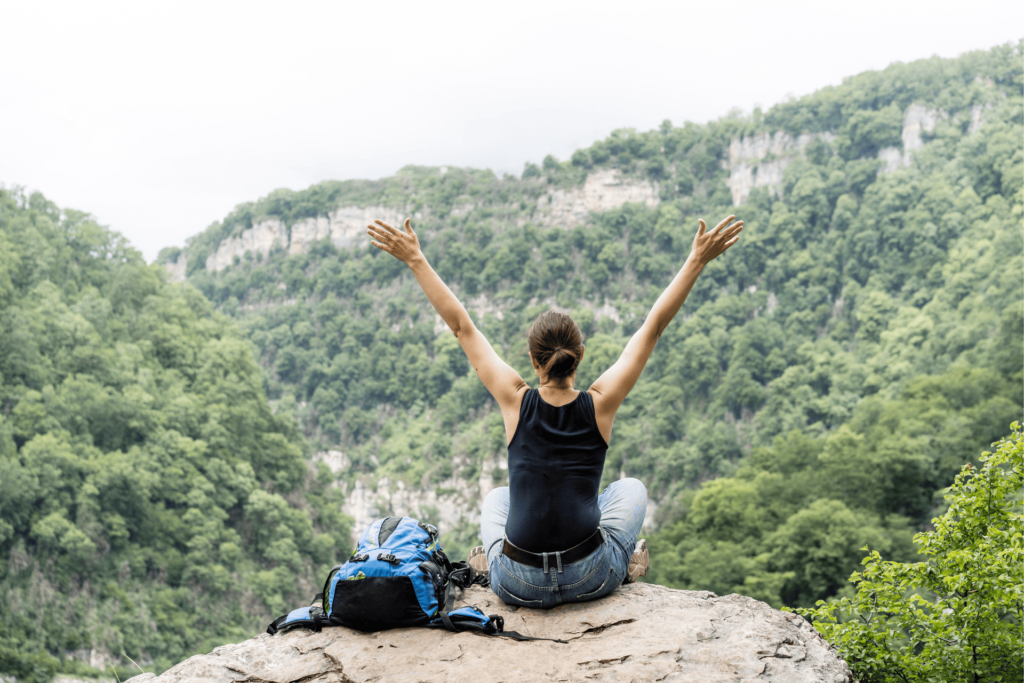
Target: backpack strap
(471, 618)
(308, 617)
(322, 595)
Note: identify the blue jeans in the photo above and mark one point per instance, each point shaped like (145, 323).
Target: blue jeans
(623, 505)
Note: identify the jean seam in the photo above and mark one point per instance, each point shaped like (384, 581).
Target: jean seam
(599, 588)
(516, 597)
(584, 579)
(508, 574)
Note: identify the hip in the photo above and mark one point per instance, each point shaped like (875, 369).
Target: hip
(588, 578)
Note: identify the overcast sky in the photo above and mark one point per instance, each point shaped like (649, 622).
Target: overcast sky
(160, 117)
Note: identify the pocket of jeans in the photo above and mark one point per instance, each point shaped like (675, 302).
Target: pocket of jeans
(612, 576)
(512, 599)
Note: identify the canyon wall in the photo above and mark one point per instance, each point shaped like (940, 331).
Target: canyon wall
(604, 189)
(759, 160)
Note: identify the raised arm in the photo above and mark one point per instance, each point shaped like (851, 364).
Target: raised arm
(611, 388)
(504, 383)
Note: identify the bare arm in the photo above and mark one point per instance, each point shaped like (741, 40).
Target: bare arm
(501, 380)
(611, 388)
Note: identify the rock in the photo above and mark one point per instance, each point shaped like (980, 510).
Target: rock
(177, 268)
(751, 166)
(641, 632)
(604, 189)
(344, 226)
(917, 118)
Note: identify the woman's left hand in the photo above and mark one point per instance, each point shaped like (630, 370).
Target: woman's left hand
(403, 245)
(710, 245)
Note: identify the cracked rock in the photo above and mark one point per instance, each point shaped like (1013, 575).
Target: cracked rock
(641, 632)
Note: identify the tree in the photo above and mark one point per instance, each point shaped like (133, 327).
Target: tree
(957, 615)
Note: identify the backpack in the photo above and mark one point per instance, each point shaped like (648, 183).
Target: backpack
(397, 577)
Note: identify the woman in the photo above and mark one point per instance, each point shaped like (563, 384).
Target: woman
(549, 537)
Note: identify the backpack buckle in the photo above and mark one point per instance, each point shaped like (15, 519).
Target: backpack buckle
(359, 557)
(389, 558)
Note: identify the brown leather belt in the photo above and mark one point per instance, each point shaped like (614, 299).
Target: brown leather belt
(545, 560)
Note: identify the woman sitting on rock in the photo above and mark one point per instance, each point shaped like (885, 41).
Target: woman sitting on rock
(549, 536)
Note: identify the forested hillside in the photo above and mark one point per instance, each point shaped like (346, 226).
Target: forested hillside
(825, 379)
(151, 504)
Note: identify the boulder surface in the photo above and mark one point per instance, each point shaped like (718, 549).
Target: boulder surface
(641, 632)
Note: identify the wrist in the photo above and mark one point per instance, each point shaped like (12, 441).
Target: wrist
(695, 261)
(416, 261)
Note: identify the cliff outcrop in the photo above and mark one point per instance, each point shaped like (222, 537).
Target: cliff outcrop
(759, 160)
(603, 190)
(641, 632)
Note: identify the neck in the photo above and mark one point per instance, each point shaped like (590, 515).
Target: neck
(560, 384)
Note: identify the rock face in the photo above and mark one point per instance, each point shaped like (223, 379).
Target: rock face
(177, 268)
(603, 190)
(918, 118)
(458, 501)
(758, 161)
(639, 633)
(343, 226)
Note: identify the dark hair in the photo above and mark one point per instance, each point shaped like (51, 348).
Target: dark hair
(556, 343)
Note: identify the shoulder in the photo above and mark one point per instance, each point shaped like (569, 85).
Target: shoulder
(521, 394)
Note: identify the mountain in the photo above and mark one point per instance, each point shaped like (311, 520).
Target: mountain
(879, 265)
(824, 381)
(151, 503)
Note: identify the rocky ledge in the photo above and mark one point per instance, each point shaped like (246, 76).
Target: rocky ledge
(641, 632)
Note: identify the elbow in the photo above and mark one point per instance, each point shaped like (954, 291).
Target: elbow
(462, 327)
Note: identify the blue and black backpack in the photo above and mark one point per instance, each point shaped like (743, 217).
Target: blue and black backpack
(398, 577)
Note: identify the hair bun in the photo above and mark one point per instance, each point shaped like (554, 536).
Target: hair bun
(563, 362)
(556, 343)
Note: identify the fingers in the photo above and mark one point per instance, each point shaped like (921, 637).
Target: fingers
(731, 230)
(703, 226)
(386, 226)
(408, 227)
(725, 221)
(733, 241)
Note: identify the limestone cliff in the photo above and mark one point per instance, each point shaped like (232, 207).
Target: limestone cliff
(343, 227)
(451, 504)
(918, 118)
(759, 160)
(603, 189)
(640, 633)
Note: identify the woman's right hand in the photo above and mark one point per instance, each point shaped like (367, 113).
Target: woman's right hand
(708, 245)
(403, 245)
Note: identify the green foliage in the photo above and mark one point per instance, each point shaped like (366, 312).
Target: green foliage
(838, 367)
(957, 615)
(823, 381)
(147, 489)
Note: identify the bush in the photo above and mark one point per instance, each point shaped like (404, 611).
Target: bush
(956, 616)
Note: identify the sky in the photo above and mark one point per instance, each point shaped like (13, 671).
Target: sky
(160, 117)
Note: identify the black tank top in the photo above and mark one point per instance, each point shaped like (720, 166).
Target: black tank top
(554, 473)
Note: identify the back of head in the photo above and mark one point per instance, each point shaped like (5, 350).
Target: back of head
(556, 344)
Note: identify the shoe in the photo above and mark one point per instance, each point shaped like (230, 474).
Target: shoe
(478, 560)
(640, 563)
